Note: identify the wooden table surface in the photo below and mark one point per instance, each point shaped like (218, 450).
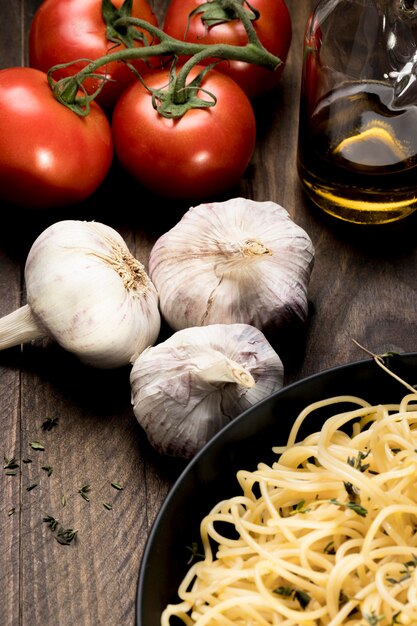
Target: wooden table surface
(363, 287)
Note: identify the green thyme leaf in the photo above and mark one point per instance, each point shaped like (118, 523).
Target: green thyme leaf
(300, 508)
(84, 491)
(51, 521)
(406, 573)
(48, 469)
(195, 554)
(117, 486)
(107, 506)
(303, 598)
(36, 445)
(285, 592)
(329, 548)
(357, 462)
(352, 491)
(49, 423)
(358, 508)
(343, 598)
(66, 536)
(10, 464)
(31, 487)
(373, 619)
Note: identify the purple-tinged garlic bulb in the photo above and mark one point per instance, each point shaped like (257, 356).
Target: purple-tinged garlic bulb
(87, 292)
(188, 387)
(238, 261)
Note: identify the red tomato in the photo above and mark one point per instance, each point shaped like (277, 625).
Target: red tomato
(198, 155)
(273, 29)
(49, 156)
(66, 30)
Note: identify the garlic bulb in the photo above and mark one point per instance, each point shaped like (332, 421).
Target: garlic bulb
(188, 387)
(87, 292)
(238, 261)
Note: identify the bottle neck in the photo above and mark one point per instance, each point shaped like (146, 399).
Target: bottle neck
(402, 9)
(409, 5)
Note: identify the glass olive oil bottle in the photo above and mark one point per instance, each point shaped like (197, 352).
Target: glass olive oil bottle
(357, 152)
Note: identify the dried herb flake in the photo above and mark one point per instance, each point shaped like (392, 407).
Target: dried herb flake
(84, 491)
(354, 506)
(10, 464)
(51, 521)
(49, 423)
(36, 445)
(65, 536)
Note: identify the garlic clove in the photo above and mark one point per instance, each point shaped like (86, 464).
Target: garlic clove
(238, 261)
(86, 291)
(188, 387)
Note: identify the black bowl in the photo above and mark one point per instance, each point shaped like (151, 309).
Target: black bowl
(211, 475)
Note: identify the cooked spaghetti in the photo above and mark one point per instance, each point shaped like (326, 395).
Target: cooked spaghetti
(326, 535)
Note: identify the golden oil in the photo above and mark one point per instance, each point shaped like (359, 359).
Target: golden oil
(357, 153)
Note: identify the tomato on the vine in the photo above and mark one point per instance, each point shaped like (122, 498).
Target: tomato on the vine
(273, 27)
(67, 30)
(49, 156)
(201, 154)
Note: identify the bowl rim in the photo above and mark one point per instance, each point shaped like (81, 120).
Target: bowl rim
(364, 366)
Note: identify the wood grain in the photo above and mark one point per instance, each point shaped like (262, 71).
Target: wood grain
(363, 287)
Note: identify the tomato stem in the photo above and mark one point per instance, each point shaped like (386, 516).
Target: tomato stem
(67, 90)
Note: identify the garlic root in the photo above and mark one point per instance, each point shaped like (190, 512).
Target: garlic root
(188, 387)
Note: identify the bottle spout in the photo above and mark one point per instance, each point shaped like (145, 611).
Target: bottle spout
(405, 86)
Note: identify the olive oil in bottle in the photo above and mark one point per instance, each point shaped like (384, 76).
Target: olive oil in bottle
(357, 146)
(357, 156)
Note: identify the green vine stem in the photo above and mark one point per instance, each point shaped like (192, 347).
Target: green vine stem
(67, 90)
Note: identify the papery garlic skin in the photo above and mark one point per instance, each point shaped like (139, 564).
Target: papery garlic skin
(188, 387)
(238, 261)
(86, 291)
